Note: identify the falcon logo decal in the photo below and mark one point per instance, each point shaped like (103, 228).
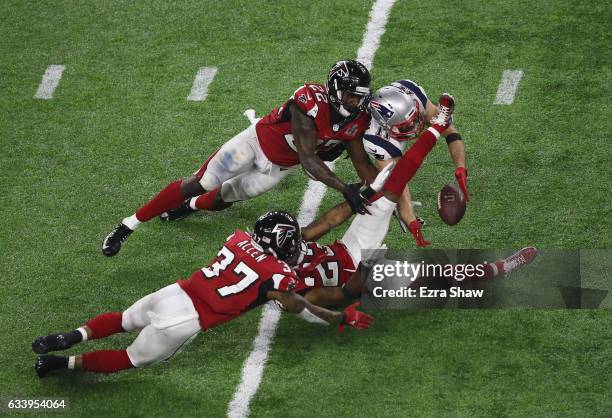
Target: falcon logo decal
(341, 69)
(302, 98)
(384, 111)
(283, 233)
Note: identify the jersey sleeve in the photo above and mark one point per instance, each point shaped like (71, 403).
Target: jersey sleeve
(282, 278)
(305, 99)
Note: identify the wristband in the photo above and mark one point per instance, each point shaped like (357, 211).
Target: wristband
(453, 137)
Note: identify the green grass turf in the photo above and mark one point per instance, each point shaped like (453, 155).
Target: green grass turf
(119, 128)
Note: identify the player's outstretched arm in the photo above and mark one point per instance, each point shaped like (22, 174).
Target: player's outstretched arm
(294, 303)
(456, 149)
(327, 297)
(326, 222)
(362, 163)
(305, 139)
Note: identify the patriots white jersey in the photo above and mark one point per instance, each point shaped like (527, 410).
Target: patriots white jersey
(376, 139)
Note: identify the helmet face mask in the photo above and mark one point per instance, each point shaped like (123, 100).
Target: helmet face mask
(348, 86)
(398, 112)
(278, 233)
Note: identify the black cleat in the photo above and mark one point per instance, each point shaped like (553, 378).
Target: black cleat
(46, 364)
(178, 213)
(112, 243)
(54, 342)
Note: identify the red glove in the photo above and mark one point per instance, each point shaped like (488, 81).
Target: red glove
(354, 318)
(415, 230)
(461, 176)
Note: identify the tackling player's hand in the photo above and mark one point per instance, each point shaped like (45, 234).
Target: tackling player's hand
(354, 318)
(461, 176)
(415, 230)
(355, 199)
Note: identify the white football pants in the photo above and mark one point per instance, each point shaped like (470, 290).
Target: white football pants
(369, 231)
(167, 321)
(241, 169)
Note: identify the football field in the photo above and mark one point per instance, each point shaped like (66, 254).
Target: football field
(87, 144)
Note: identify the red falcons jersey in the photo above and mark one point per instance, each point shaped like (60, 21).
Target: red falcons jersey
(236, 280)
(323, 265)
(274, 130)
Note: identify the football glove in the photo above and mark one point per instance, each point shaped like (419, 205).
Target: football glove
(355, 199)
(354, 318)
(461, 176)
(415, 230)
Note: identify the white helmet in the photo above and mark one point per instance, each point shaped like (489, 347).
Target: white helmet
(398, 111)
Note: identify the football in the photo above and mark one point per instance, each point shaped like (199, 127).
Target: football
(451, 204)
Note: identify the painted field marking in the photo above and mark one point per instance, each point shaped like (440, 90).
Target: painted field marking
(199, 90)
(50, 80)
(255, 363)
(508, 86)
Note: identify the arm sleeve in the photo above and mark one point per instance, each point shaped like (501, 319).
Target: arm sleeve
(305, 99)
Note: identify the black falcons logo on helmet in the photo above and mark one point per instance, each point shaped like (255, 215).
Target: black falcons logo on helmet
(283, 233)
(341, 69)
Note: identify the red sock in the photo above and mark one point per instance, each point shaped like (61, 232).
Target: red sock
(410, 162)
(167, 199)
(106, 361)
(205, 201)
(105, 324)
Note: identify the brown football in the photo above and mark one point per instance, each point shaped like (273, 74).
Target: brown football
(451, 204)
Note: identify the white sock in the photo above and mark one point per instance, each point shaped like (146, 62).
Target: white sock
(131, 222)
(494, 268)
(192, 203)
(71, 361)
(83, 333)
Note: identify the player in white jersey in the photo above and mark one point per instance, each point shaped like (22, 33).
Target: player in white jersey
(399, 114)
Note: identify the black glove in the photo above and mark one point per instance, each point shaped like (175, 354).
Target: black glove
(355, 199)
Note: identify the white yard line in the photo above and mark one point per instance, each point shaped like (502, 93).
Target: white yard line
(508, 86)
(199, 90)
(50, 80)
(254, 365)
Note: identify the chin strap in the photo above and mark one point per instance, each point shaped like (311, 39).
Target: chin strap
(344, 112)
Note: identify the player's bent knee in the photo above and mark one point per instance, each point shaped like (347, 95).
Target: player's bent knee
(209, 181)
(163, 338)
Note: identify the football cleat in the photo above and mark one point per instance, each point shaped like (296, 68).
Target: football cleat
(53, 342)
(112, 243)
(178, 213)
(46, 364)
(446, 107)
(519, 259)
